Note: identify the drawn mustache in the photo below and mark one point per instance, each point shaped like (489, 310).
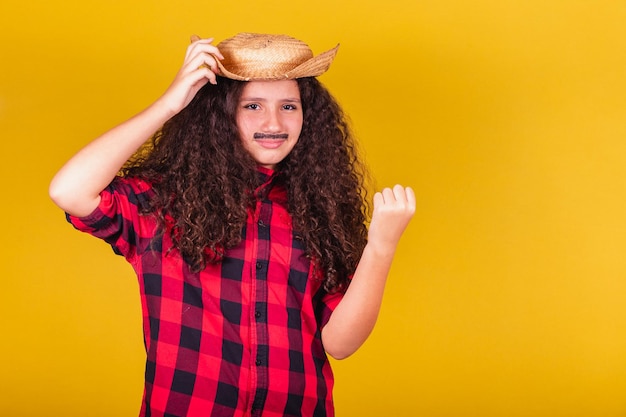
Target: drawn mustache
(271, 135)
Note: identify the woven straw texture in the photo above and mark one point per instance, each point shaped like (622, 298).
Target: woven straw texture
(251, 56)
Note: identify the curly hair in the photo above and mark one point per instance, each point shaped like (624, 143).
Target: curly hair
(203, 180)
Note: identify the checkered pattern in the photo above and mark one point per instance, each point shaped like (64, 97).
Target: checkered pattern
(240, 338)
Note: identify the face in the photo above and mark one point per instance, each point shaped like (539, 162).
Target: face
(269, 119)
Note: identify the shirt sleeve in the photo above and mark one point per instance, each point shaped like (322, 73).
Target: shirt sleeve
(117, 218)
(328, 304)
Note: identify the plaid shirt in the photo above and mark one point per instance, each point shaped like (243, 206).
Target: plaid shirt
(240, 338)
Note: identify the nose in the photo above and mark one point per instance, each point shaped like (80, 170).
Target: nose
(272, 121)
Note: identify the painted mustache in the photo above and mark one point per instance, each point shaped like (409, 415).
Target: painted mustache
(271, 135)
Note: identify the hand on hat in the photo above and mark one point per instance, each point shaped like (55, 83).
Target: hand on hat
(393, 210)
(199, 68)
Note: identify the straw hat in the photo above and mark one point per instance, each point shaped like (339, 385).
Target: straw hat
(253, 56)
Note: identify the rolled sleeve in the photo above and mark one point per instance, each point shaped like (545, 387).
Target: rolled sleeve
(327, 305)
(117, 218)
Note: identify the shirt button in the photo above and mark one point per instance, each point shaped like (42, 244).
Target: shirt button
(258, 362)
(261, 223)
(257, 314)
(259, 265)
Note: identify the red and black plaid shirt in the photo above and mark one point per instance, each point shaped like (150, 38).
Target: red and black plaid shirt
(240, 338)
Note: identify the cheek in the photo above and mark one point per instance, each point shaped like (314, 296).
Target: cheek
(243, 126)
(296, 126)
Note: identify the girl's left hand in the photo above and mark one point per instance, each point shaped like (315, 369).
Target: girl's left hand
(393, 210)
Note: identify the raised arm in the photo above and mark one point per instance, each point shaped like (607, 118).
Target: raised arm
(76, 187)
(354, 318)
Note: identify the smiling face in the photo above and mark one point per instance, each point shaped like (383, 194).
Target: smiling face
(269, 120)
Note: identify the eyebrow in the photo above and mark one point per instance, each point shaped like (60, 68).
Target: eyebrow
(290, 99)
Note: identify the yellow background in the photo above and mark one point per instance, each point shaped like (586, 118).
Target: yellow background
(508, 295)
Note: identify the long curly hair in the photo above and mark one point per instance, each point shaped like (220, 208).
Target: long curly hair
(203, 180)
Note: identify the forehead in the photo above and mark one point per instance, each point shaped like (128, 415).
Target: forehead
(277, 90)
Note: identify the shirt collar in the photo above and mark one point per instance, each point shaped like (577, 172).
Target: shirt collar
(265, 175)
(267, 178)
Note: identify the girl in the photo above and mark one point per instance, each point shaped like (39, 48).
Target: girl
(244, 218)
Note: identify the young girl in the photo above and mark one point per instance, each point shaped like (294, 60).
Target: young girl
(245, 220)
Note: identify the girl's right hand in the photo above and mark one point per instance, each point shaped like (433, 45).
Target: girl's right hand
(198, 69)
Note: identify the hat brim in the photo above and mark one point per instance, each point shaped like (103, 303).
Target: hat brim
(311, 68)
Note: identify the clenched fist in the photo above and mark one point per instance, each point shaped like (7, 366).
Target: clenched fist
(393, 210)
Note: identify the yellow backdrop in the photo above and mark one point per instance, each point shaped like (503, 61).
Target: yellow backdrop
(508, 295)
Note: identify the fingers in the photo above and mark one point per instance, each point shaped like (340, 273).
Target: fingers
(396, 196)
(201, 54)
(197, 41)
(199, 68)
(410, 197)
(393, 210)
(378, 199)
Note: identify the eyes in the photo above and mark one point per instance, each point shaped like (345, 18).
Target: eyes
(256, 106)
